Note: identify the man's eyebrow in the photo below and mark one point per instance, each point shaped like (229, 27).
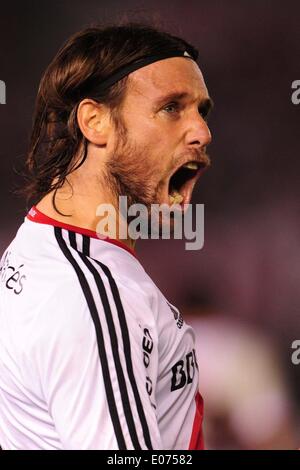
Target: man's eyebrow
(206, 103)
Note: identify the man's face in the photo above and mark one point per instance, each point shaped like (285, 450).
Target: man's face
(164, 114)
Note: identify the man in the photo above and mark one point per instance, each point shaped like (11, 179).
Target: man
(92, 354)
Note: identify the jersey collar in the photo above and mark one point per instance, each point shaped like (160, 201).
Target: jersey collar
(35, 215)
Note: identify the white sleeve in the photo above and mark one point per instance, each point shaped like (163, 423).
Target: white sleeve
(90, 364)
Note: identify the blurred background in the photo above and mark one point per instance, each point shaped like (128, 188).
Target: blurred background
(241, 291)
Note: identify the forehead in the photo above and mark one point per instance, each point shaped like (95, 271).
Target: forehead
(166, 76)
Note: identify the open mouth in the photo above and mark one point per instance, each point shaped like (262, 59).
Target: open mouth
(182, 182)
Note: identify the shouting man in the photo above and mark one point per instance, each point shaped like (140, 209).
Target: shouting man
(92, 355)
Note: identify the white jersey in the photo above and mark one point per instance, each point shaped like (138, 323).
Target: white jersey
(92, 355)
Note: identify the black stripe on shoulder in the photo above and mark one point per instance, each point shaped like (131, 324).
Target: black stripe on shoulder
(100, 339)
(72, 239)
(126, 342)
(86, 245)
(115, 351)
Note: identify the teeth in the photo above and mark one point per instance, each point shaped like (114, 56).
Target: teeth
(191, 166)
(175, 197)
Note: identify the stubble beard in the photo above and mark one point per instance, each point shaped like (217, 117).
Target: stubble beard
(129, 173)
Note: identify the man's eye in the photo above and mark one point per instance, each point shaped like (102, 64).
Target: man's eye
(204, 112)
(171, 108)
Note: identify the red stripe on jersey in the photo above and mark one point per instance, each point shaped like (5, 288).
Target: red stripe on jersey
(37, 216)
(197, 441)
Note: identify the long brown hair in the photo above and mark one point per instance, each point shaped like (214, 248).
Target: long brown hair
(75, 73)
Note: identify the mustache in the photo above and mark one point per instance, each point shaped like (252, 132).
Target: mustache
(195, 155)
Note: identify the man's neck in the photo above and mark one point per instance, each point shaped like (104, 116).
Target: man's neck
(80, 213)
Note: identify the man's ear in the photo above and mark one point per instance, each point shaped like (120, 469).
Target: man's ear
(94, 121)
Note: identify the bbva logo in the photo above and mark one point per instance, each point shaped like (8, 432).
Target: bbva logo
(2, 92)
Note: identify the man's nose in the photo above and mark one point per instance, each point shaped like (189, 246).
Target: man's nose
(198, 134)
